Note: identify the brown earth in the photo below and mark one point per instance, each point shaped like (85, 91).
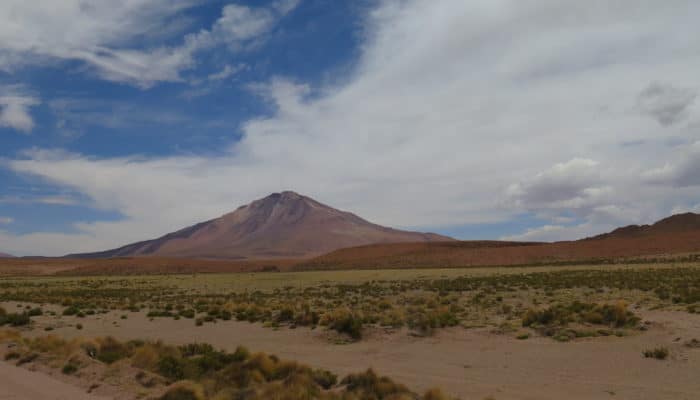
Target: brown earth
(134, 266)
(282, 225)
(469, 363)
(675, 224)
(22, 384)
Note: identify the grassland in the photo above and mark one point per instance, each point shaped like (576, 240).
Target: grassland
(351, 302)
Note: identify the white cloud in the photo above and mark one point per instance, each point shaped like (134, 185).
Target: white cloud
(226, 72)
(107, 35)
(15, 103)
(572, 185)
(684, 171)
(450, 103)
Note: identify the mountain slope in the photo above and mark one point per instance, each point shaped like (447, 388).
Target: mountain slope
(675, 224)
(282, 225)
(675, 236)
(5, 255)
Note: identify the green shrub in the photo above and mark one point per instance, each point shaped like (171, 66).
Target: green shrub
(35, 312)
(344, 321)
(659, 353)
(14, 319)
(368, 385)
(171, 368)
(324, 379)
(69, 369)
(184, 391)
(72, 310)
(110, 350)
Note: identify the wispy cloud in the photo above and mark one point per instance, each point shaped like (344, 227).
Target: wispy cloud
(15, 105)
(106, 35)
(49, 200)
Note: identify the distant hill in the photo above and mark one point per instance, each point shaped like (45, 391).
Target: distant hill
(5, 255)
(281, 225)
(679, 223)
(675, 235)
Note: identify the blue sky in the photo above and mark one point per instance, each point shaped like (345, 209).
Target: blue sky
(120, 122)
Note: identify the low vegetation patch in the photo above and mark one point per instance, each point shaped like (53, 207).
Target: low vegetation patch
(554, 320)
(659, 353)
(545, 301)
(200, 372)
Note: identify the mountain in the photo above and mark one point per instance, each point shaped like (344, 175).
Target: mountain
(281, 225)
(675, 237)
(675, 224)
(5, 255)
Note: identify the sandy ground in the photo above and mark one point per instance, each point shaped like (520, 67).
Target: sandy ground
(22, 384)
(471, 364)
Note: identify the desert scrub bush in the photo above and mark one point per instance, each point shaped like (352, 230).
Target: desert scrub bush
(659, 353)
(15, 319)
(109, 350)
(72, 310)
(69, 369)
(369, 385)
(344, 321)
(435, 394)
(576, 312)
(323, 378)
(198, 371)
(185, 390)
(35, 312)
(426, 321)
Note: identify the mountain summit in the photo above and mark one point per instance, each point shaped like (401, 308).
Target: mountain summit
(281, 225)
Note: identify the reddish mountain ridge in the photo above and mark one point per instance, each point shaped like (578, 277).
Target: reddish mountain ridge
(675, 224)
(675, 236)
(282, 225)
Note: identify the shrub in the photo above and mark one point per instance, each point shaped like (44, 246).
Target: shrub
(15, 319)
(110, 350)
(72, 310)
(172, 368)
(435, 394)
(368, 385)
(344, 321)
(184, 391)
(69, 369)
(324, 379)
(35, 312)
(659, 353)
(145, 357)
(562, 314)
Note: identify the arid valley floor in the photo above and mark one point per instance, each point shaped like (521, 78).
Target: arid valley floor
(575, 332)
